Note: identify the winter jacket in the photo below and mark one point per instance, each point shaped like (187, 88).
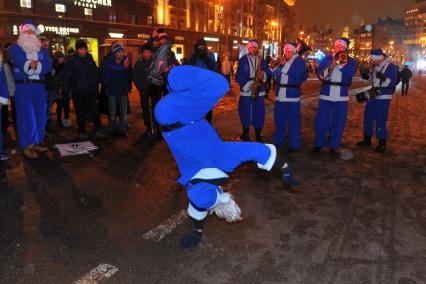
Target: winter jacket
(80, 74)
(141, 71)
(115, 77)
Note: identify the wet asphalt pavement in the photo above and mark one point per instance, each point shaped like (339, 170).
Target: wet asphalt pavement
(356, 221)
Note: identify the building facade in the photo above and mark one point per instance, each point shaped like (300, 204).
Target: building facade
(415, 31)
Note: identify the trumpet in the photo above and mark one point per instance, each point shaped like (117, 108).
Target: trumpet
(258, 79)
(342, 58)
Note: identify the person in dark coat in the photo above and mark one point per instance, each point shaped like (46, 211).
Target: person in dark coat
(115, 75)
(204, 59)
(141, 71)
(81, 78)
(405, 74)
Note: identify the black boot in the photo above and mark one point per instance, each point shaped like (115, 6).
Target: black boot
(365, 142)
(259, 136)
(245, 136)
(286, 172)
(382, 146)
(149, 131)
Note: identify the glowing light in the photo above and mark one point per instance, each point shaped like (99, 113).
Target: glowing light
(319, 55)
(206, 38)
(421, 63)
(116, 35)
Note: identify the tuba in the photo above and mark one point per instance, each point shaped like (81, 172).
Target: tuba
(258, 79)
(302, 48)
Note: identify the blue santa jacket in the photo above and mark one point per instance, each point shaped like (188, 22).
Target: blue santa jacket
(243, 74)
(292, 73)
(388, 86)
(197, 146)
(339, 75)
(21, 63)
(4, 91)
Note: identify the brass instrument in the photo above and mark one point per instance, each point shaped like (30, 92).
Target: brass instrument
(342, 58)
(258, 79)
(302, 48)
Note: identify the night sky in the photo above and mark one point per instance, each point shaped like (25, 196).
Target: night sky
(337, 13)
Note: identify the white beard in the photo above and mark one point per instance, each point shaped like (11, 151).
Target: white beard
(30, 44)
(227, 208)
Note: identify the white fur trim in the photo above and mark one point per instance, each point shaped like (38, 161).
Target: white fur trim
(376, 57)
(270, 163)
(3, 101)
(27, 68)
(210, 173)
(334, 99)
(28, 27)
(38, 69)
(341, 42)
(291, 47)
(194, 213)
(384, 97)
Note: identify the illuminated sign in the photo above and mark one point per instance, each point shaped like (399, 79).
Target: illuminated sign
(50, 29)
(93, 3)
(116, 35)
(211, 38)
(179, 37)
(143, 36)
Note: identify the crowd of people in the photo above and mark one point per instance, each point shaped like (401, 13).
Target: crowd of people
(34, 81)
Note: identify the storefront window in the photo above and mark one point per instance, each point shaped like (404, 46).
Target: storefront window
(92, 44)
(88, 13)
(149, 20)
(26, 4)
(133, 18)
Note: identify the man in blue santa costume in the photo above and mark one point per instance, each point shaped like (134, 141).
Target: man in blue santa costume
(336, 77)
(202, 157)
(384, 77)
(290, 75)
(31, 64)
(252, 110)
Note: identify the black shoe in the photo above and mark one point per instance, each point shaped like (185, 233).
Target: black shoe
(123, 134)
(149, 132)
(291, 150)
(316, 150)
(382, 146)
(364, 143)
(191, 240)
(245, 136)
(333, 153)
(259, 136)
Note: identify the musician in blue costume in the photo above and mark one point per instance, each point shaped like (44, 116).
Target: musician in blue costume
(384, 77)
(336, 77)
(252, 110)
(31, 63)
(203, 158)
(290, 75)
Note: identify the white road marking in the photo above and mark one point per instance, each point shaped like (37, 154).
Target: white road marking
(100, 272)
(166, 228)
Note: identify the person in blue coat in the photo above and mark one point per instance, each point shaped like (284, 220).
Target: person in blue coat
(384, 77)
(252, 111)
(31, 64)
(336, 77)
(202, 157)
(290, 74)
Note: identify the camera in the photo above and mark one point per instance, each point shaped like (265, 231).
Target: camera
(367, 95)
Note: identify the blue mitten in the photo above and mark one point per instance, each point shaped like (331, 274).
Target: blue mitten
(287, 176)
(191, 240)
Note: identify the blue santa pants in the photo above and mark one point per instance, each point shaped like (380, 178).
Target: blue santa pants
(287, 115)
(330, 123)
(252, 112)
(376, 112)
(31, 107)
(229, 155)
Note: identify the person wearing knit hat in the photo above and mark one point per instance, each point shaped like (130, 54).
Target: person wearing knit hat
(336, 77)
(115, 71)
(251, 110)
(384, 78)
(31, 64)
(290, 75)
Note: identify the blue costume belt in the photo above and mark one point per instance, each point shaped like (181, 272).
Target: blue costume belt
(29, 81)
(340, 84)
(290, 86)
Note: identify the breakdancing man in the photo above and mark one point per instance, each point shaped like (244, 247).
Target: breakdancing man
(336, 76)
(384, 77)
(202, 157)
(290, 75)
(251, 109)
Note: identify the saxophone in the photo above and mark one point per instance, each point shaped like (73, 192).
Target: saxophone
(258, 79)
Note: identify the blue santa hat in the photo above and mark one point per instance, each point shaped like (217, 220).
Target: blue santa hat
(291, 46)
(29, 25)
(377, 54)
(343, 41)
(252, 42)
